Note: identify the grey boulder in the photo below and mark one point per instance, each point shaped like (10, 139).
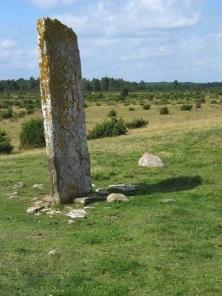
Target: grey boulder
(150, 160)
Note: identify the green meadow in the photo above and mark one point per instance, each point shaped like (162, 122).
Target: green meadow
(143, 247)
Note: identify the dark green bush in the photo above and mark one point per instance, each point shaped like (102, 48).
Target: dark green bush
(137, 123)
(108, 128)
(131, 109)
(32, 134)
(164, 111)
(112, 113)
(186, 107)
(214, 102)
(146, 107)
(5, 145)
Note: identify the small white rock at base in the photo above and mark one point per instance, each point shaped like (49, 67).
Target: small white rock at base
(116, 197)
(74, 214)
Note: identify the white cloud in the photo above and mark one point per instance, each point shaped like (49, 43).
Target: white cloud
(51, 3)
(132, 17)
(7, 44)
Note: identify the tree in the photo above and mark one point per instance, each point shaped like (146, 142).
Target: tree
(124, 93)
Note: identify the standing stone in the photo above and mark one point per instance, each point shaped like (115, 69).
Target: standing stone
(63, 111)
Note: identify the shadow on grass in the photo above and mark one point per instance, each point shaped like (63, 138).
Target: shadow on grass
(170, 185)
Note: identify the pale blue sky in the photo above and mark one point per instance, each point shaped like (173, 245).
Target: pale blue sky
(151, 40)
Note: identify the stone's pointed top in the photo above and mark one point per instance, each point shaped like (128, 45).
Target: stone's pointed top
(52, 24)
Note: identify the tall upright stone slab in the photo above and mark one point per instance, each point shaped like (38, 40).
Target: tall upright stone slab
(63, 111)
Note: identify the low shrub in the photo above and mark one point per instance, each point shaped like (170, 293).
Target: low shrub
(164, 111)
(30, 109)
(137, 123)
(112, 113)
(32, 134)
(6, 114)
(131, 109)
(214, 102)
(5, 145)
(21, 114)
(146, 107)
(186, 107)
(198, 105)
(108, 128)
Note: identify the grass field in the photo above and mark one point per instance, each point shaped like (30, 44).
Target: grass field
(142, 247)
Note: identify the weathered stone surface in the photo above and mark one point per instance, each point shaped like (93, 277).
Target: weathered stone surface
(150, 160)
(63, 111)
(116, 197)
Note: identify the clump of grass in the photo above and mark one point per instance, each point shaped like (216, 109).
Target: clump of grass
(112, 113)
(137, 123)
(32, 134)
(164, 111)
(6, 114)
(186, 107)
(146, 107)
(214, 102)
(108, 128)
(5, 145)
(198, 105)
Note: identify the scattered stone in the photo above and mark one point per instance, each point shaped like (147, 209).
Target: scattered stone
(102, 191)
(38, 214)
(45, 210)
(123, 188)
(19, 185)
(34, 209)
(168, 201)
(88, 208)
(74, 214)
(93, 185)
(150, 160)
(116, 197)
(83, 201)
(53, 212)
(38, 187)
(71, 221)
(12, 195)
(52, 252)
(37, 207)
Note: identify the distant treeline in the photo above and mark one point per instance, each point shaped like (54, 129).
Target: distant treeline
(112, 84)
